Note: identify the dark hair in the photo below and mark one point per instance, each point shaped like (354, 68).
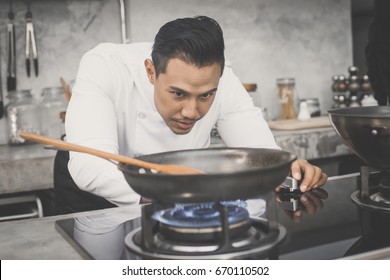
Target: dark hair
(197, 40)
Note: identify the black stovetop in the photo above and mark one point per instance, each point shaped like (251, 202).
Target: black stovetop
(329, 228)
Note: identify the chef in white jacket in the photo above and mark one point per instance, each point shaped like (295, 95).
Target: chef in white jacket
(143, 98)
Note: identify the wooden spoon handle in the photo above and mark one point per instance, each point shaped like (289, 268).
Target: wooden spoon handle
(77, 148)
(164, 168)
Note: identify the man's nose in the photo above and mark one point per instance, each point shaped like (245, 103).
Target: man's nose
(190, 110)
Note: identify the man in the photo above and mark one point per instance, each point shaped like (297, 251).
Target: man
(126, 102)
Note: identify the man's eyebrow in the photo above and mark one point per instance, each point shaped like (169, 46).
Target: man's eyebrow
(181, 90)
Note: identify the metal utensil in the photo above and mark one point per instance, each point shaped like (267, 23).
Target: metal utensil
(11, 52)
(122, 8)
(30, 43)
(163, 168)
(1, 93)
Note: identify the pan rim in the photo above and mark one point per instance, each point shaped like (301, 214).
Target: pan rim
(381, 112)
(290, 157)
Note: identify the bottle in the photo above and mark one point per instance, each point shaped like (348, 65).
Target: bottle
(369, 100)
(304, 113)
(341, 86)
(353, 71)
(366, 84)
(53, 106)
(354, 101)
(353, 85)
(335, 80)
(313, 105)
(342, 101)
(286, 88)
(22, 114)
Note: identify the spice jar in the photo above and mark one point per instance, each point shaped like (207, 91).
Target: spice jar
(353, 85)
(354, 101)
(335, 80)
(53, 107)
(22, 113)
(341, 84)
(286, 88)
(366, 84)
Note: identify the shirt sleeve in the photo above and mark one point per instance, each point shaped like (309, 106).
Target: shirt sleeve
(240, 123)
(91, 121)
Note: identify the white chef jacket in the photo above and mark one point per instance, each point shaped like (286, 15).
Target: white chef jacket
(112, 109)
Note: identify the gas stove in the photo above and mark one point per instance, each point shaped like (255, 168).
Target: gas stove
(322, 224)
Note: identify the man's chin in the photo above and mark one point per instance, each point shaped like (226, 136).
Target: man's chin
(181, 131)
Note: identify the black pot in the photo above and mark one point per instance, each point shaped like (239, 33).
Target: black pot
(366, 130)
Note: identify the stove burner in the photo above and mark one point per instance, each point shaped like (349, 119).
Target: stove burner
(384, 187)
(374, 198)
(201, 215)
(255, 243)
(202, 221)
(230, 234)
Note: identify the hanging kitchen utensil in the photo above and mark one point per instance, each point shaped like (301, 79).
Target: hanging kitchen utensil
(122, 8)
(163, 168)
(30, 39)
(11, 52)
(1, 93)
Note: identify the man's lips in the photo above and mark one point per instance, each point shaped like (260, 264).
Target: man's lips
(185, 124)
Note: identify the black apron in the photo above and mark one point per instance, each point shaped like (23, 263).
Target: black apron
(68, 197)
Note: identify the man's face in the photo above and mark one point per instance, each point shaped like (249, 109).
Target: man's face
(184, 93)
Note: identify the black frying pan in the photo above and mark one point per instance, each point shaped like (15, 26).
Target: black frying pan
(366, 130)
(231, 173)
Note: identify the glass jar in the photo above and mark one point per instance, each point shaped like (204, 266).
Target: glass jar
(53, 106)
(256, 98)
(286, 88)
(22, 113)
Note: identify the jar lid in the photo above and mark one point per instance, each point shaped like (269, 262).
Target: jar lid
(310, 101)
(19, 93)
(250, 87)
(287, 81)
(52, 91)
(341, 77)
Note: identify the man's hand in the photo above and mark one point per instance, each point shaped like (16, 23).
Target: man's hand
(309, 176)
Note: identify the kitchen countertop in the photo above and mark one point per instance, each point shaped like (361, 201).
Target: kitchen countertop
(311, 143)
(19, 165)
(25, 168)
(38, 238)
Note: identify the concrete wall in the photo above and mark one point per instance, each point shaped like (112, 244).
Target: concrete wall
(309, 40)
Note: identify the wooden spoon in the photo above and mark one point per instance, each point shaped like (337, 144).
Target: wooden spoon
(163, 168)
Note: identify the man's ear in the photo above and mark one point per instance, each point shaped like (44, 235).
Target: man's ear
(150, 71)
